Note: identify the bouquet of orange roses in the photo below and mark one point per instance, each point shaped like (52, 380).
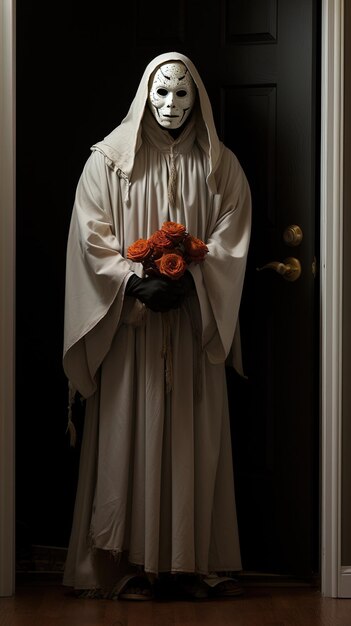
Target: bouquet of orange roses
(168, 251)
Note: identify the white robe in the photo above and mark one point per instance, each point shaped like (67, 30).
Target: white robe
(156, 480)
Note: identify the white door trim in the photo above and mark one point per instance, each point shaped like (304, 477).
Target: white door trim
(331, 290)
(7, 297)
(331, 293)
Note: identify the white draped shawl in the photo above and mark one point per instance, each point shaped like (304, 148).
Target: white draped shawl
(156, 468)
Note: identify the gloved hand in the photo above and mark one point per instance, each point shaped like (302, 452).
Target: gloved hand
(157, 293)
(187, 283)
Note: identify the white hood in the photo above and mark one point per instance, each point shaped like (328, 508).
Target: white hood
(122, 144)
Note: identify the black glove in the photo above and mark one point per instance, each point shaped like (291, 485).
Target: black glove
(186, 282)
(158, 293)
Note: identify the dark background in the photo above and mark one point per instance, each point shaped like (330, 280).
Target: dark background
(73, 87)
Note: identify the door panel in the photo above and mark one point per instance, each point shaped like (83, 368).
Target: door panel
(271, 125)
(258, 62)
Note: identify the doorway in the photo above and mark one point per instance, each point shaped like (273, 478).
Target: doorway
(274, 411)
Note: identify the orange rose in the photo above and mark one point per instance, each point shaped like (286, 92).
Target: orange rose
(176, 232)
(159, 242)
(171, 265)
(139, 250)
(195, 249)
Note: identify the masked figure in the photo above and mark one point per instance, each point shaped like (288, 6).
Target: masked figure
(155, 497)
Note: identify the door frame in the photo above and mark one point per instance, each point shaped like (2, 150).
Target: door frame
(7, 297)
(334, 579)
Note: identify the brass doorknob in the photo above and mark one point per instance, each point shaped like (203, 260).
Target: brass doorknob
(290, 269)
(293, 235)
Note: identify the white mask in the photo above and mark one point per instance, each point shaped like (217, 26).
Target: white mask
(172, 94)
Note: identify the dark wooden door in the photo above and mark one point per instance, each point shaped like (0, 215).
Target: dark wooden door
(269, 118)
(258, 59)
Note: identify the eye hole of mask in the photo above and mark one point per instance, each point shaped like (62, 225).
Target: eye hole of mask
(162, 92)
(181, 93)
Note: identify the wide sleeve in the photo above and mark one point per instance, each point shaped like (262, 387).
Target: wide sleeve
(219, 279)
(96, 274)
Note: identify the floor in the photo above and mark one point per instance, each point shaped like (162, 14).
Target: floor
(50, 604)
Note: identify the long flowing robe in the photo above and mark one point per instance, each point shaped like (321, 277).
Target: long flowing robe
(156, 479)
